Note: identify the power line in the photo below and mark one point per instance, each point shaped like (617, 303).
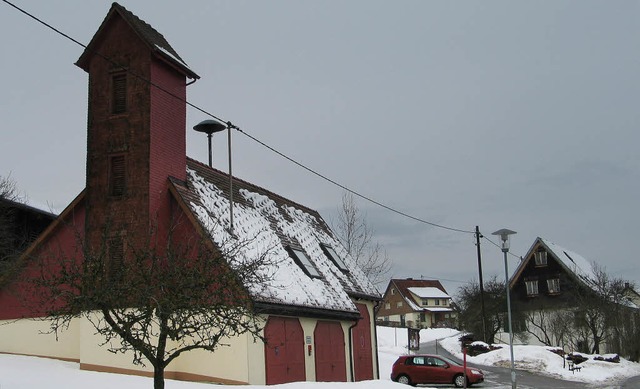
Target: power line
(232, 126)
(498, 246)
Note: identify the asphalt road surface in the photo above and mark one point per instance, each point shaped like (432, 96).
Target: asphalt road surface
(499, 377)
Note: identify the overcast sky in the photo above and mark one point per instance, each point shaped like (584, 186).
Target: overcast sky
(522, 115)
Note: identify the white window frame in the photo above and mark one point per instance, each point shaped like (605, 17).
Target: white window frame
(553, 284)
(532, 287)
(540, 258)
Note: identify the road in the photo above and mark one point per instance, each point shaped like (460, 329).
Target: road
(499, 377)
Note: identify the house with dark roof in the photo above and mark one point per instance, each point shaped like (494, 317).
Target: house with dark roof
(552, 288)
(20, 225)
(416, 304)
(318, 305)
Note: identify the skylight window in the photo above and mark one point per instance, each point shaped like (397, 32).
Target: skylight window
(334, 257)
(304, 262)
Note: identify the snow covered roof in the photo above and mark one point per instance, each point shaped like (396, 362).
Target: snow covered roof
(574, 263)
(436, 309)
(580, 266)
(409, 289)
(428, 292)
(270, 223)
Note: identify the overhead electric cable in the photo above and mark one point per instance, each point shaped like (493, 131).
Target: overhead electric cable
(231, 125)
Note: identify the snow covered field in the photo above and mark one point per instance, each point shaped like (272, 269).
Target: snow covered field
(18, 372)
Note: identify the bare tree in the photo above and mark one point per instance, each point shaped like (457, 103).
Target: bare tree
(495, 303)
(357, 237)
(601, 312)
(550, 327)
(156, 301)
(9, 245)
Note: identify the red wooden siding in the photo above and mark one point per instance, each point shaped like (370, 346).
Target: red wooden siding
(362, 353)
(284, 351)
(329, 345)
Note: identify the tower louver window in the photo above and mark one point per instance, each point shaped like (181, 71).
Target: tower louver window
(119, 96)
(117, 177)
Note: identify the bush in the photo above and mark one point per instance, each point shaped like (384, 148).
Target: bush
(576, 358)
(613, 358)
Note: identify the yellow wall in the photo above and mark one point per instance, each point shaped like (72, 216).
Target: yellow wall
(30, 337)
(243, 361)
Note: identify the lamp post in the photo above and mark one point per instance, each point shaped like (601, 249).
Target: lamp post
(504, 236)
(209, 127)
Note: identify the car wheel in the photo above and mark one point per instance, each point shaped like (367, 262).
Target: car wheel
(403, 379)
(458, 381)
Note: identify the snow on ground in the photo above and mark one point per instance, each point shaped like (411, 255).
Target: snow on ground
(19, 372)
(539, 360)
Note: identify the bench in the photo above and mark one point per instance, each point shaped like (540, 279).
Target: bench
(573, 367)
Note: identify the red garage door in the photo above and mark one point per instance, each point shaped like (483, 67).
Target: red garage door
(362, 359)
(331, 365)
(284, 351)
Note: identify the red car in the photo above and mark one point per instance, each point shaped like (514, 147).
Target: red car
(433, 369)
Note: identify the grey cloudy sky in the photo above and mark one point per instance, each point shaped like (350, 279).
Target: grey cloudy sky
(497, 113)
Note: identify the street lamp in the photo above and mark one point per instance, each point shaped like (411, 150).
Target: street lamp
(504, 236)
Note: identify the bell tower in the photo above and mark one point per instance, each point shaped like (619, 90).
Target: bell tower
(136, 127)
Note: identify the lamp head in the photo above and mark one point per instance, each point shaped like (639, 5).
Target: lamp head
(504, 236)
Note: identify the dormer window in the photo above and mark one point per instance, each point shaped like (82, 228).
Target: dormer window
(334, 257)
(541, 258)
(304, 262)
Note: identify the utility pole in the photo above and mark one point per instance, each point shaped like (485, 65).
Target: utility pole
(484, 322)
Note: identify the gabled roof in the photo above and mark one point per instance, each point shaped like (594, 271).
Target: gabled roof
(152, 38)
(263, 220)
(572, 262)
(408, 288)
(27, 208)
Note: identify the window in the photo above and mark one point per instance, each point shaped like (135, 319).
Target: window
(541, 258)
(553, 284)
(119, 93)
(437, 302)
(417, 361)
(399, 304)
(425, 302)
(393, 291)
(115, 260)
(422, 317)
(532, 287)
(334, 257)
(304, 262)
(387, 305)
(117, 175)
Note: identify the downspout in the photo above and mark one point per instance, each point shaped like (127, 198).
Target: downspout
(191, 82)
(351, 363)
(375, 336)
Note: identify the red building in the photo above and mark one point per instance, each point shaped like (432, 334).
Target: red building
(319, 307)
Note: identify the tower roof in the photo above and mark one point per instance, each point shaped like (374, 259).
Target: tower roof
(149, 35)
